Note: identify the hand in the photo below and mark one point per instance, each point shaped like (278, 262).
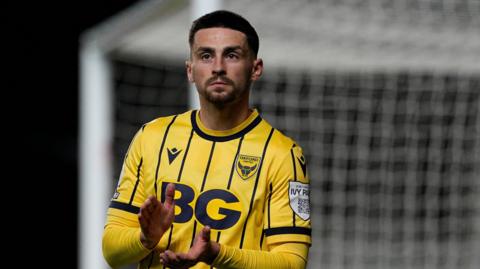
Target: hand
(202, 250)
(155, 218)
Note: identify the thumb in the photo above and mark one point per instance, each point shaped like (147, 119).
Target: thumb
(206, 233)
(169, 195)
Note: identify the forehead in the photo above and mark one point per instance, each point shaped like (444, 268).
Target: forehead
(211, 37)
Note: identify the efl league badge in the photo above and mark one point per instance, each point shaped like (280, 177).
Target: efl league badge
(299, 194)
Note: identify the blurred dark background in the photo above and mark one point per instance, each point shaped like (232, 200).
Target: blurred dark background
(41, 122)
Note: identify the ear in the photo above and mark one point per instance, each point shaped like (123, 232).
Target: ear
(188, 66)
(257, 69)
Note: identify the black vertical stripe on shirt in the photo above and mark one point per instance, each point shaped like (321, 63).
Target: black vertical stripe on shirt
(201, 189)
(217, 240)
(139, 167)
(208, 166)
(160, 153)
(294, 165)
(185, 156)
(269, 198)
(169, 241)
(233, 164)
(294, 179)
(255, 187)
(261, 239)
(169, 237)
(194, 231)
(218, 237)
(151, 260)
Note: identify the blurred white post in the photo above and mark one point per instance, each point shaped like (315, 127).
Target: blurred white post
(95, 143)
(199, 8)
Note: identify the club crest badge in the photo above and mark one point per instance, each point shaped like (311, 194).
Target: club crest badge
(247, 166)
(299, 195)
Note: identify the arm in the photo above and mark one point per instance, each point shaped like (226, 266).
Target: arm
(135, 223)
(282, 255)
(285, 255)
(123, 243)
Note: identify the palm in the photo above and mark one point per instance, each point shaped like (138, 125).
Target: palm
(201, 247)
(155, 218)
(202, 250)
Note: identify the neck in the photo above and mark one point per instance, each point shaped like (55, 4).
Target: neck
(225, 117)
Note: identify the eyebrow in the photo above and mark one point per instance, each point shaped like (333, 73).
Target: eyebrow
(210, 50)
(204, 49)
(233, 48)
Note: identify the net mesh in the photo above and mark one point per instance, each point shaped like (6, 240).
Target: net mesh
(394, 164)
(143, 91)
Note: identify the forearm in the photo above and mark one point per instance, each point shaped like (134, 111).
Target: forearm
(121, 245)
(288, 255)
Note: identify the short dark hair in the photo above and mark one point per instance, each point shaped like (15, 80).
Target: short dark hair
(226, 19)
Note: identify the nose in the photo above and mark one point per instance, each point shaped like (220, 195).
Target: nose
(218, 67)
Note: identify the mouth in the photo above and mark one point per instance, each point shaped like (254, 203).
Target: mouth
(218, 83)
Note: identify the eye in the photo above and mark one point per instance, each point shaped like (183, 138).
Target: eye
(232, 56)
(205, 56)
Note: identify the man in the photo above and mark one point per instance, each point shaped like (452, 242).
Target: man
(233, 190)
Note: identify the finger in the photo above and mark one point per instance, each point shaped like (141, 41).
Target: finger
(169, 195)
(144, 212)
(170, 214)
(180, 260)
(170, 258)
(152, 203)
(206, 233)
(145, 207)
(185, 259)
(163, 258)
(144, 221)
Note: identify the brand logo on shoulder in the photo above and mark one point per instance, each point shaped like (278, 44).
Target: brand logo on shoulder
(303, 164)
(172, 154)
(247, 166)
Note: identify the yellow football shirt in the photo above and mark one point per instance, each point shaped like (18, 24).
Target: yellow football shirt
(249, 184)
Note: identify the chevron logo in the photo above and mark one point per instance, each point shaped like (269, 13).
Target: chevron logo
(172, 154)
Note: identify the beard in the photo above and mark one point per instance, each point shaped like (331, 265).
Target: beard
(222, 95)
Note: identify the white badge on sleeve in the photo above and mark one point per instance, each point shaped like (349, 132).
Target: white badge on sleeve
(299, 195)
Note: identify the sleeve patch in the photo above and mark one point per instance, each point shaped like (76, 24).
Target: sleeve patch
(298, 194)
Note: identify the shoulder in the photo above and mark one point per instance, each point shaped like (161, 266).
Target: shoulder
(285, 158)
(279, 142)
(282, 146)
(160, 124)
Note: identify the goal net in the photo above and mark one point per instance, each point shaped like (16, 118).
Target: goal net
(384, 98)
